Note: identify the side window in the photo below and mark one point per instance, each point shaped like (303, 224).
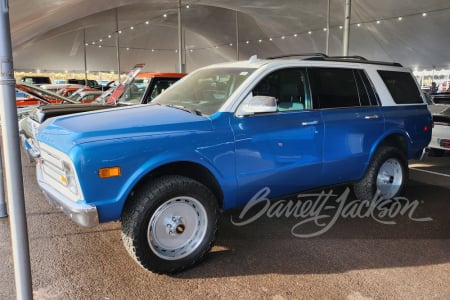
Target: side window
(333, 87)
(402, 87)
(288, 86)
(160, 86)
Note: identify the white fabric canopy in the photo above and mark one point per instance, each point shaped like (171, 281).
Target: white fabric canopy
(48, 34)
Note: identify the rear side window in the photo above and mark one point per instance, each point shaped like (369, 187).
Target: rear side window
(402, 87)
(333, 88)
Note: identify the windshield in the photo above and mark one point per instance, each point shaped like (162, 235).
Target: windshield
(204, 91)
(75, 97)
(134, 91)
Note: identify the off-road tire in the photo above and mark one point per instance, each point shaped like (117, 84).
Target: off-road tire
(182, 204)
(388, 163)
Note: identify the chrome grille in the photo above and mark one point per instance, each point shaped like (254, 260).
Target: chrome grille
(52, 166)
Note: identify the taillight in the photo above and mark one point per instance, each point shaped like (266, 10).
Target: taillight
(426, 128)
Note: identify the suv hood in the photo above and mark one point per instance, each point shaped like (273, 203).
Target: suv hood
(139, 120)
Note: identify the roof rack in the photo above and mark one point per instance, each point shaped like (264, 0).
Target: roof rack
(355, 59)
(352, 59)
(349, 57)
(315, 54)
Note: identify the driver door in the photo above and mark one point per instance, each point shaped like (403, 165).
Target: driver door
(281, 150)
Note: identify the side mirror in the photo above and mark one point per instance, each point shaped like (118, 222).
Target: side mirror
(257, 105)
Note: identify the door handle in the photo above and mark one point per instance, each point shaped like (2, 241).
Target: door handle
(310, 123)
(371, 117)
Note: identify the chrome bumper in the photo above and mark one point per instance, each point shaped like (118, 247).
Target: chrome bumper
(31, 149)
(83, 214)
(424, 152)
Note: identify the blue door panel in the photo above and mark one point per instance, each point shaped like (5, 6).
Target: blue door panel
(281, 151)
(412, 119)
(349, 136)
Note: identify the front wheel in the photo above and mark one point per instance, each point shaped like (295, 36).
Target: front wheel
(170, 224)
(387, 175)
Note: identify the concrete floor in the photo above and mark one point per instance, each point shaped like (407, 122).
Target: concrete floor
(358, 258)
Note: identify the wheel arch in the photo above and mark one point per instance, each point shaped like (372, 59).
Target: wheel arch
(396, 139)
(188, 169)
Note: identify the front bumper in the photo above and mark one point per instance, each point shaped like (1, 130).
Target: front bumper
(30, 147)
(83, 214)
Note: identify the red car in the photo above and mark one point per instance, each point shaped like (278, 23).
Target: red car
(33, 95)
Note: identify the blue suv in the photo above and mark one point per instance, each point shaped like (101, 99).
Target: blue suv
(222, 134)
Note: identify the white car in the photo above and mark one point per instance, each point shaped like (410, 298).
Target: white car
(440, 139)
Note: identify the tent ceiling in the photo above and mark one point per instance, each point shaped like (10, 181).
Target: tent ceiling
(49, 34)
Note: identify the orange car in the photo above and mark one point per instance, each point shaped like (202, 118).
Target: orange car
(68, 91)
(134, 91)
(29, 94)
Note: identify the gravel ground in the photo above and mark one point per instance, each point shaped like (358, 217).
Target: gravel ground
(357, 258)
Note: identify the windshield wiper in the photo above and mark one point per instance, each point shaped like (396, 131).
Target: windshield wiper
(192, 111)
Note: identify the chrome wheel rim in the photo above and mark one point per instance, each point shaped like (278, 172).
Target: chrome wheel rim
(389, 178)
(177, 228)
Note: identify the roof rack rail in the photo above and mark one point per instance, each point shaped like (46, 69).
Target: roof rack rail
(354, 59)
(315, 54)
(350, 57)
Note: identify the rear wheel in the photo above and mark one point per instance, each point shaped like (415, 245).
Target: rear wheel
(170, 224)
(387, 174)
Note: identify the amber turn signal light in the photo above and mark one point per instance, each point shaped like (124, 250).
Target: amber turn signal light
(109, 172)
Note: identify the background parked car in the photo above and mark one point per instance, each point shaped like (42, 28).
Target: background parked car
(440, 139)
(37, 80)
(86, 95)
(71, 89)
(37, 96)
(89, 83)
(58, 86)
(440, 98)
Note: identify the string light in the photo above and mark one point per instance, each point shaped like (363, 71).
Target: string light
(282, 37)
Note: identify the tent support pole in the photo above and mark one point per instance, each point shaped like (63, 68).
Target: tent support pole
(345, 43)
(13, 165)
(117, 46)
